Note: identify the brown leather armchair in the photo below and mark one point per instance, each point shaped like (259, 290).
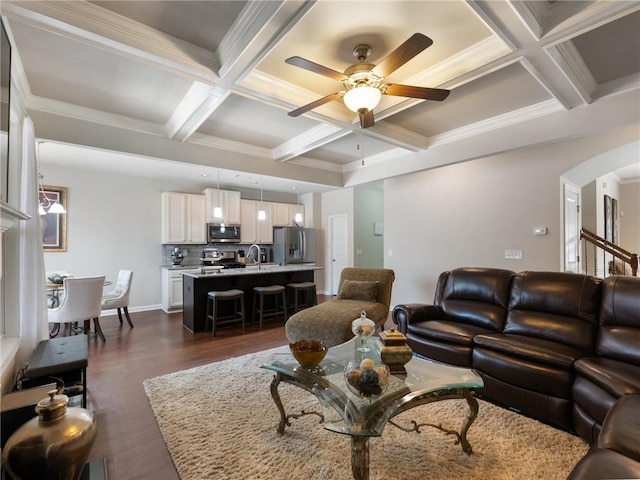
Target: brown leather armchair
(614, 370)
(467, 302)
(551, 323)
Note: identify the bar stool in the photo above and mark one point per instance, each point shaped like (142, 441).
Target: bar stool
(279, 302)
(213, 308)
(301, 295)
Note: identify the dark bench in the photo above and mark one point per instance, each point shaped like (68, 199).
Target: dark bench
(60, 359)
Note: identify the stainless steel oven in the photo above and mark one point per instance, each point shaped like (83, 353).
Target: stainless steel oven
(222, 233)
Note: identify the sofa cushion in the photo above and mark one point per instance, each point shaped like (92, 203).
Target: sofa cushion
(524, 373)
(358, 290)
(453, 332)
(476, 296)
(531, 349)
(621, 430)
(619, 332)
(605, 464)
(555, 306)
(617, 378)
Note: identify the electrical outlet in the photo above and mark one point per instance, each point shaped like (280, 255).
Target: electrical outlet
(358, 251)
(513, 254)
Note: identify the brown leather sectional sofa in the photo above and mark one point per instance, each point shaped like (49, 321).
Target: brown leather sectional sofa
(559, 347)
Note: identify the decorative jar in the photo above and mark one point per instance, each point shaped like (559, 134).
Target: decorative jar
(54, 445)
(362, 328)
(395, 353)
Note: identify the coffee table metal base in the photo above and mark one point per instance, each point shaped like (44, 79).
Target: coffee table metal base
(360, 443)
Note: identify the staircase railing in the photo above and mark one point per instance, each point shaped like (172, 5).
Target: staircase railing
(618, 253)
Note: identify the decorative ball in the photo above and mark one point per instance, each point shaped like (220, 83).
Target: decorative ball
(367, 364)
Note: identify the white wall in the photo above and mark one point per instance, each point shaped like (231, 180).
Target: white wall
(468, 214)
(629, 211)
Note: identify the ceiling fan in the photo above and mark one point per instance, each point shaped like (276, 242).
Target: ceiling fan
(364, 82)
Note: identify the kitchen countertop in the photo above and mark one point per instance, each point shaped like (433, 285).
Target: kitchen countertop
(181, 267)
(254, 270)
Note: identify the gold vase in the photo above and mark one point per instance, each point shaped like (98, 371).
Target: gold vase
(55, 445)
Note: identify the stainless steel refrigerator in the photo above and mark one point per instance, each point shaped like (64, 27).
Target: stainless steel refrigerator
(294, 245)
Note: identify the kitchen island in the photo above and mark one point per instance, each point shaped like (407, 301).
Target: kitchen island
(196, 286)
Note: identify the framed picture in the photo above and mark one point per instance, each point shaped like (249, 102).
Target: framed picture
(608, 218)
(53, 225)
(614, 218)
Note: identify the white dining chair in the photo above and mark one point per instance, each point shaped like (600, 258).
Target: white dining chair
(81, 303)
(119, 297)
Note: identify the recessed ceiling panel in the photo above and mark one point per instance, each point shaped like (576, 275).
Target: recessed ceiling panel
(500, 92)
(255, 123)
(329, 32)
(608, 52)
(349, 149)
(201, 23)
(76, 73)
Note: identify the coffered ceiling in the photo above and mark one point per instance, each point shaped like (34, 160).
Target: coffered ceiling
(204, 84)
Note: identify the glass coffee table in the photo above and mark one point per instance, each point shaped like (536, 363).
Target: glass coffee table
(361, 418)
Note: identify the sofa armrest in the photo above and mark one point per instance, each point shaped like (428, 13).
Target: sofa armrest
(405, 314)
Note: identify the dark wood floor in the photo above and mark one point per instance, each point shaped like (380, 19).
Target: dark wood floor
(128, 437)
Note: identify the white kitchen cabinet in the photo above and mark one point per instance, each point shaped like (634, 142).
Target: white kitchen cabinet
(172, 288)
(229, 203)
(184, 218)
(252, 229)
(284, 214)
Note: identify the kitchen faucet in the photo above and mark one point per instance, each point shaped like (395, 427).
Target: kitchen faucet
(257, 254)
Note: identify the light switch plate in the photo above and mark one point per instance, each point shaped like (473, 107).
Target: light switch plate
(513, 254)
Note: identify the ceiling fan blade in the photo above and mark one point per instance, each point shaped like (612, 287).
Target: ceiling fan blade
(366, 118)
(316, 68)
(401, 55)
(317, 103)
(437, 94)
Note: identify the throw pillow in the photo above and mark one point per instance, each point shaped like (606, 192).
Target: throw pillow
(358, 290)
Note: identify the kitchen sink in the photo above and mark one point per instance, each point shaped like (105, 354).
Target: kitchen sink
(263, 265)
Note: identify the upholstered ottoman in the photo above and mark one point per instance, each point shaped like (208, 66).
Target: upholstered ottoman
(360, 289)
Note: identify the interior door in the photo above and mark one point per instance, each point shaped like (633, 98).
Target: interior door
(571, 229)
(338, 248)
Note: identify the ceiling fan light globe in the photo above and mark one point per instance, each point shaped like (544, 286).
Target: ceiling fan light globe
(362, 97)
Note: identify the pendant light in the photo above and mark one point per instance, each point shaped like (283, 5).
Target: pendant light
(217, 211)
(298, 216)
(262, 215)
(46, 204)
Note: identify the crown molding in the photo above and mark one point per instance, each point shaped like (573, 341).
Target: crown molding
(317, 164)
(229, 145)
(312, 138)
(569, 61)
(374, 159)
(468, 60)
(197, 105)
(498, 122)
(87, 114)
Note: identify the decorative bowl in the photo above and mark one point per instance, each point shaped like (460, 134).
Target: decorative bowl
(366, 379)
(309, 353)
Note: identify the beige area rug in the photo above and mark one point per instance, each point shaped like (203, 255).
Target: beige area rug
(219, 422)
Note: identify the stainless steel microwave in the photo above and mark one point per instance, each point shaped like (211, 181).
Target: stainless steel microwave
(223, 233)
